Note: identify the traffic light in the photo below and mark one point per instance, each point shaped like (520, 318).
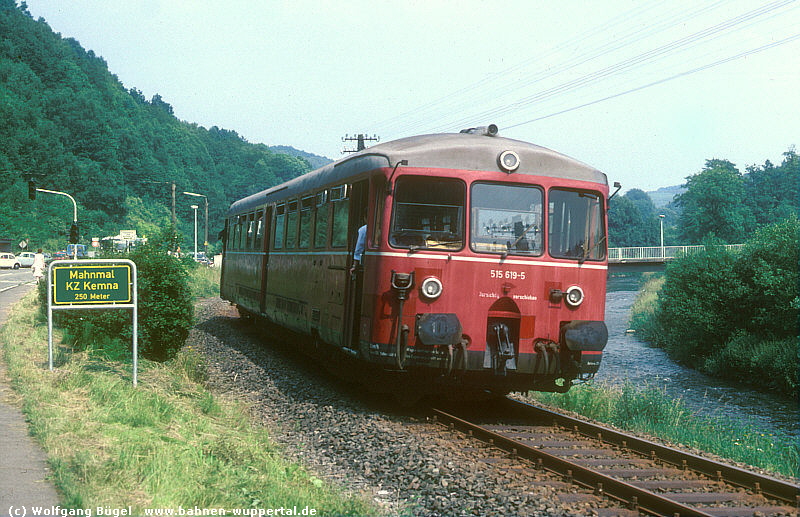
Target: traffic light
(73, 233)
(31, 190)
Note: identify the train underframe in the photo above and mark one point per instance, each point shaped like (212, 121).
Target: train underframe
(440, 363)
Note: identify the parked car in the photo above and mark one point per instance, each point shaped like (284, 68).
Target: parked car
(9, 260)
(26, 258)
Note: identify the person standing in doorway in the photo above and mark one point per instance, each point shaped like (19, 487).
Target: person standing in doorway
(361, 244)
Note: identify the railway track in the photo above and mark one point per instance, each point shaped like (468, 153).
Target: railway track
(643, 476)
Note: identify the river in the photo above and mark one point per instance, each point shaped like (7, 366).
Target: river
(627, 359)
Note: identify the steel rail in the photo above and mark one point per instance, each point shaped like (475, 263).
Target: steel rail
(643, 500)
(768, 486)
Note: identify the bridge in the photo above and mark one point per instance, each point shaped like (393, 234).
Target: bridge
(655, 254)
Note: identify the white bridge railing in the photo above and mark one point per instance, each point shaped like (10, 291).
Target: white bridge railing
(655, 253)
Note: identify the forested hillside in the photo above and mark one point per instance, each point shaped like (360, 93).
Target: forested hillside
(69, 124)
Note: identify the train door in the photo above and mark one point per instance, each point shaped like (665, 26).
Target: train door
(355, 285)
(264, 226)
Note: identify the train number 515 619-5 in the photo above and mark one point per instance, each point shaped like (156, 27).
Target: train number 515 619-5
(507, 275)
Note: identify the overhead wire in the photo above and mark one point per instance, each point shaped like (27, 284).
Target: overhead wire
(480, 84)
(726, 27)
(593, 53)
(623, 66)
(768, 46)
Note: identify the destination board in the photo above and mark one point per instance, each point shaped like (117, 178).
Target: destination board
(91, 283)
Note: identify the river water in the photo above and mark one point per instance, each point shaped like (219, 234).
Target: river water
(627, 359)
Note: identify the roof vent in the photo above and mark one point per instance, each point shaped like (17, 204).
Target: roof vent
(490, 130)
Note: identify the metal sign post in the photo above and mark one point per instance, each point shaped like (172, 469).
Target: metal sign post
(93, 284)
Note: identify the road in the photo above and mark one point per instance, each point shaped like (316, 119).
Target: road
(12, 282)
(23, 470)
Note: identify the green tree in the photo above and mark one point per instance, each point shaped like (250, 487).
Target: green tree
(624, 223)
(632, 220)
(66, 121)
(772, 192)
(713, 204)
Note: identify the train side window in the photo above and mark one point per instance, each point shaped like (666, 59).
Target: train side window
(321, 228)
(291, 225)
(259, 238)
(232, 229)
(251, 231)
(428, 213)
(379, 189)
(242, 244)
(575, 225)
(306, 220)
(341, 213)
(280, 218)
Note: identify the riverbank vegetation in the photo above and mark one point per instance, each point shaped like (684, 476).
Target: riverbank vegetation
(167, 443)
(731, 314)
(649, 411)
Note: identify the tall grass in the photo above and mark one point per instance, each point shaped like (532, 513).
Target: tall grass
(204, 281)
(169, 442)
(650, 411)
(646, 301)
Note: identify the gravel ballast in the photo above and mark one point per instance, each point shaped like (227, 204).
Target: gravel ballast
(360, 442)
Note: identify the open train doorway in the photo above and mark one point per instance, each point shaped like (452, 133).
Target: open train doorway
(359, 202)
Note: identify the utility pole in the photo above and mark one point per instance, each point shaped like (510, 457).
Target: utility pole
(359, 139)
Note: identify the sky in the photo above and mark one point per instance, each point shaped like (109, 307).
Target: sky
(644, 90)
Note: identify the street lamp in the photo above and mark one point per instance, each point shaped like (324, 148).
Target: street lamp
(195, 232)
(661, 220)
(205, 198)
(73, 230)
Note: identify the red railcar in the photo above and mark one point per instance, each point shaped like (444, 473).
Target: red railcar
(484, 267)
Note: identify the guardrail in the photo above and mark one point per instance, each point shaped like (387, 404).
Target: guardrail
(656, 253)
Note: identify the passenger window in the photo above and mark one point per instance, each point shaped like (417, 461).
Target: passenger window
(341, 212)
(306, 221)
(280, 217)
(321, 228)
(251, 231)
(259, 241)
(243, 232)
(291, 225)
(232, 234)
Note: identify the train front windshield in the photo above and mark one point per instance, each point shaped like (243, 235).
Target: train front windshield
(506, 219)
(575, 222)
(428, 213)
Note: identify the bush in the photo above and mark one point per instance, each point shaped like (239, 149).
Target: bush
(733, 314)
(695, 315)
(166, 311)
(773, 361)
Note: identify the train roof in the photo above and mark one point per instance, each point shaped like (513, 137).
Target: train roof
(468, 151)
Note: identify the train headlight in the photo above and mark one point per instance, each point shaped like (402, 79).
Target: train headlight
(508, 161)
(573, 296)
(431, 288)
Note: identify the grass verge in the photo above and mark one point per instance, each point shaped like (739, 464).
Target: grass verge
(649, 410)
(204, 281)
(168, 443)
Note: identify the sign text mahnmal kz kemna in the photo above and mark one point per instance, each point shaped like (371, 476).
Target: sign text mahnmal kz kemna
(79, 284)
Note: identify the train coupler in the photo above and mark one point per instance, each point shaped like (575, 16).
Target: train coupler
(501, 347)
